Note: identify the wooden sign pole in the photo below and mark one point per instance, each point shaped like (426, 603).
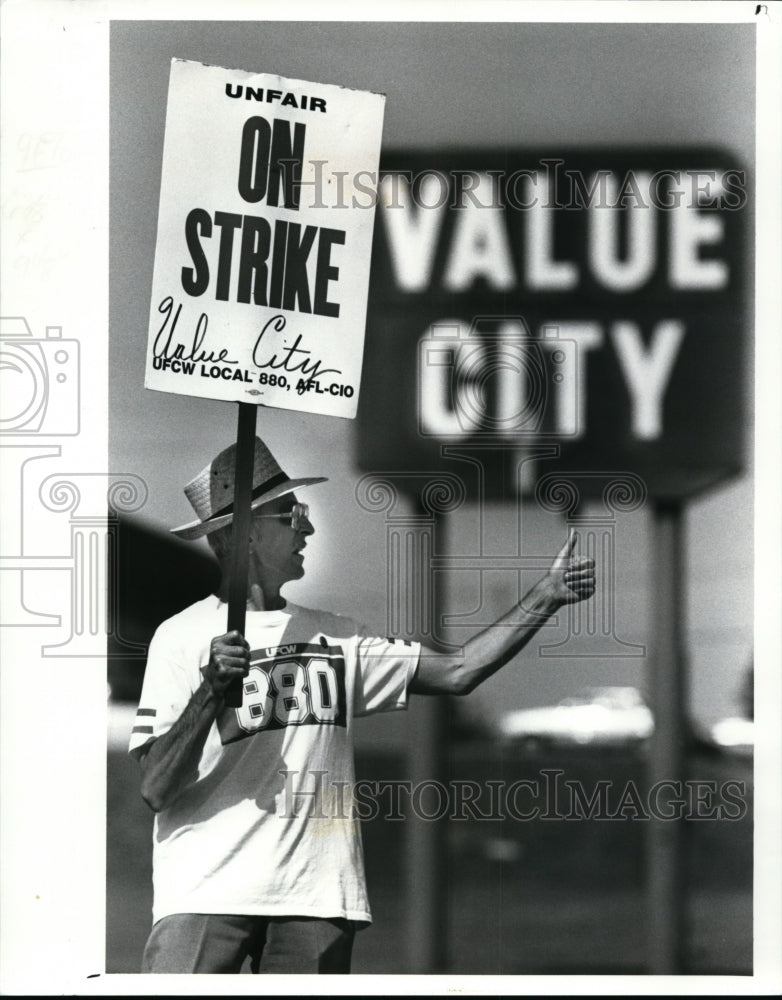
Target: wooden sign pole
(240, 559)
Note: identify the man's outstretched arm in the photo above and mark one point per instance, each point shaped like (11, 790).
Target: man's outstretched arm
(569, 579)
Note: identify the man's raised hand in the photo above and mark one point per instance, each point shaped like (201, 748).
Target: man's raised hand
(571, 578)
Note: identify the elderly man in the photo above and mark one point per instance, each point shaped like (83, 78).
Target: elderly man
(238, 873)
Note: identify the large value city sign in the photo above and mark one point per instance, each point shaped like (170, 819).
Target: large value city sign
(260, 283)
(591, 301)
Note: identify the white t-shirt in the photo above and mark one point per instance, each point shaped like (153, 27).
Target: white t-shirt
(267, 826)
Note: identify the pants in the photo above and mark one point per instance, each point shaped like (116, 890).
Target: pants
(200, 942)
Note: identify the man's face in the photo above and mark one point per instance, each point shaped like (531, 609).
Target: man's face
(276, 549)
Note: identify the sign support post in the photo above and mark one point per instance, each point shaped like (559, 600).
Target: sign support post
(240, 559)
(665, 869)
(427, 846)
(427, 839)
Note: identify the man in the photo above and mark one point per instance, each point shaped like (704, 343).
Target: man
(238, 871)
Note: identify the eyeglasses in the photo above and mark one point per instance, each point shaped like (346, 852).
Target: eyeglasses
(298, 513)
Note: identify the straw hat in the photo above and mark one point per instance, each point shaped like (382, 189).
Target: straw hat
(211, 493)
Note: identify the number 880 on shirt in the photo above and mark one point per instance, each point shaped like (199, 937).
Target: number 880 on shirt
(304, 685)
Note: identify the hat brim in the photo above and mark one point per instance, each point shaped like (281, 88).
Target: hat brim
(196, 529)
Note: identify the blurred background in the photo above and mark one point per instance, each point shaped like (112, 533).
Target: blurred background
(504, 896)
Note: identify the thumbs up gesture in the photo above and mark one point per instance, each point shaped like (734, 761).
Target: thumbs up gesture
(571, 578)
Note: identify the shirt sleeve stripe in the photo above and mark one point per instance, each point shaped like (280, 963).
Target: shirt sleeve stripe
(146, 711)
(142, 729)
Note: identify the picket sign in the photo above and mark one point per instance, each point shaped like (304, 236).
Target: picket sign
(259, 292)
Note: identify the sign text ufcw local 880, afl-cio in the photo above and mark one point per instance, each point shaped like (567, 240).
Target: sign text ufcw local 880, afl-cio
(260, 283)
